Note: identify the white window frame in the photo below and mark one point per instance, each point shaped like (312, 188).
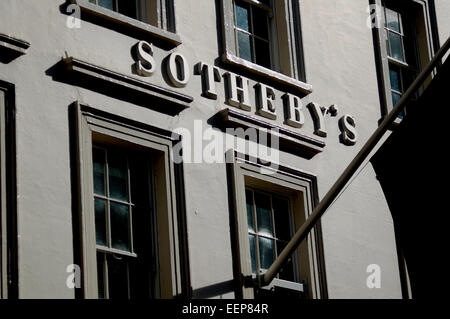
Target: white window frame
(286, 44)
(383, 59)
(93, 126)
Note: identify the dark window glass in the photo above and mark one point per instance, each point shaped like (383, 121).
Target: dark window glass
(128, 8)
(117, 277)
(263, 214)
(120, 226)
(99, 171)
(118, 176)
(262, 49)
(281, 215)
(100, 222)
(250, 220)
(260, 23)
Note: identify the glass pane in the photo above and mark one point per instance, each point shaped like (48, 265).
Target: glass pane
(392, 20)
(266, 252)
(249, 200)
(263, 214)
(395, 98)
(100, 275)
(281, 215)
(260, 23)
(128, 8)
(395, 41)
(287, 272)
(119, 226)
(118, 176)
(117, 277)
(262, 51)
(100, 222)
(109, 4)
(395, 79)
(98, 157)
(253, 252)
(245, 49)
(242, 16)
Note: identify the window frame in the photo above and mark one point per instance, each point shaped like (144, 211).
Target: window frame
(423, 52)
(95, 126)
(301, 188)
(8, 190)
(165, 31)
(287, 47)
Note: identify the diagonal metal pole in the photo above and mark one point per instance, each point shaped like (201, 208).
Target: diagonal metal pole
(300, 235)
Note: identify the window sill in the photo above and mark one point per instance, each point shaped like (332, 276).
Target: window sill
(136, 25)
(278, 77)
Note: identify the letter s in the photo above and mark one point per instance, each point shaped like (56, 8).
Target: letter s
(145, 66)
(347, 125)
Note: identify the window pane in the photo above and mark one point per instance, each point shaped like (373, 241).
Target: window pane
(117, 277)
(396, 45)
(118, 176)
(281, 215)
(263, 214)
(249, 200)
(392, 20)
(242, 16)
(395, 98)
(260, 23)
(100, 275)
(100, 222)
(287, 272)
(262, 51)
(253, 252)
(119, 226)
(395, 79)
(109, 4)
(266, 252)
(99, 171)
(128, 8)
(245, 49)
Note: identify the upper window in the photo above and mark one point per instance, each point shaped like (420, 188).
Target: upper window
(155, 17)
(404, 47)
(264, 37)
(252, 25)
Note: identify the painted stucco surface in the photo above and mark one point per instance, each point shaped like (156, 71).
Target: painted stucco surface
(340, 65)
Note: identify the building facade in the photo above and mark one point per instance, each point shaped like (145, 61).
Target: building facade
(168, 148)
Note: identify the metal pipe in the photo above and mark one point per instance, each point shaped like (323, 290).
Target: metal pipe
(300, 235)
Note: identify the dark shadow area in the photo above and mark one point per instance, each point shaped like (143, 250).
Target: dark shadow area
(8, 55)
(412, 166)
(112, 88)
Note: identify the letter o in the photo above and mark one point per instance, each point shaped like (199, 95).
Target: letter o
(179, 77)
